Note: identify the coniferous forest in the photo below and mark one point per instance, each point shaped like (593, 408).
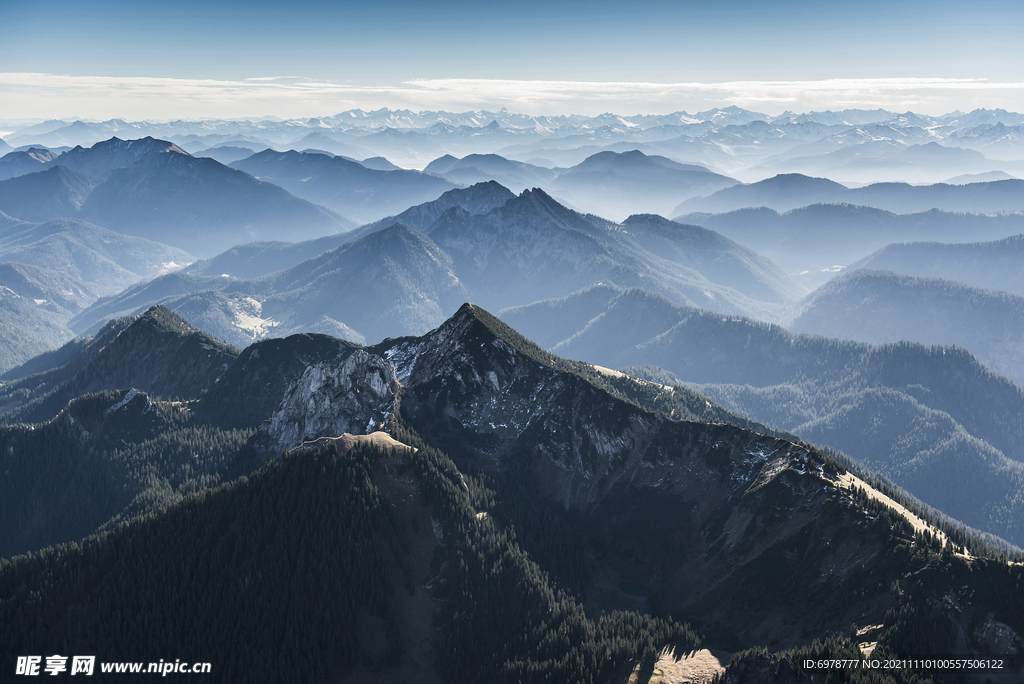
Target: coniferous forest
(149, 529)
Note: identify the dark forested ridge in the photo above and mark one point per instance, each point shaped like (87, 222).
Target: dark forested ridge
(324, 565)
(916, 413)
(612, 511)
(157, 352)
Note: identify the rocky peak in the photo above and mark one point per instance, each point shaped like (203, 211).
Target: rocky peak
(476, 372)
(357, 396)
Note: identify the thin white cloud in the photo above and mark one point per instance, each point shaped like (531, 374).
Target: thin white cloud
(937, 95)
(48, 95)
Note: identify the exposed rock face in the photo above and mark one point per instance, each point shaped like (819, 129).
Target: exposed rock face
(691, 513)
(328, 399)
(585, 441)
(998, 637)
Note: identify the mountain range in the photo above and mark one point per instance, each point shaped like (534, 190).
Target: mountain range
(905, 410)
(395, 280)
(475, 168)
(619, 184)
(815, 242)
(288, 446)
(107, 261)
(995, 265)
(729, 138)
(52, 271)
(502, 471)
(880, 306)
(154, 189)
(785, 192)
(15, 164)
(342, 184)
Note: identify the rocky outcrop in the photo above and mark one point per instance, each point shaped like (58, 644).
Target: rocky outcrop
(357, 396)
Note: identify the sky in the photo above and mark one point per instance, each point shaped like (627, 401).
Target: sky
(106, 59)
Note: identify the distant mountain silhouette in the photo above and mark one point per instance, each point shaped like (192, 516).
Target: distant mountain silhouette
(996, 265)
(202, 205)
(812, 243)
(790, 191)
(15, 164)
(476, 168)
(57, 192)
(618, 184)
(344, 185)
(880, 306)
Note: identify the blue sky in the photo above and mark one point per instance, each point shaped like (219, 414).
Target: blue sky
(148, 60)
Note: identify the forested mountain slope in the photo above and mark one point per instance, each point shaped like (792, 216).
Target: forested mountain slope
(592, 511)
(995, 265)
(932, 418)
(880, 306)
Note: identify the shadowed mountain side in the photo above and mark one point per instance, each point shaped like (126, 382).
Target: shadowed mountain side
(559, 492)
(610, 470)
(158, 352)
(252, 386)
(712, 256)
(533, 247)
(801, 383)
(102, 158)
(344, 185)
(15, 164)
(371, 616)
(392, 282)
(997, 265)
(881, 306)
(107, 261)
(52, 368)
(45, 195)
(551, 321)
(476, 199)
(202, 205)
(529, 248)
(256, 259)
